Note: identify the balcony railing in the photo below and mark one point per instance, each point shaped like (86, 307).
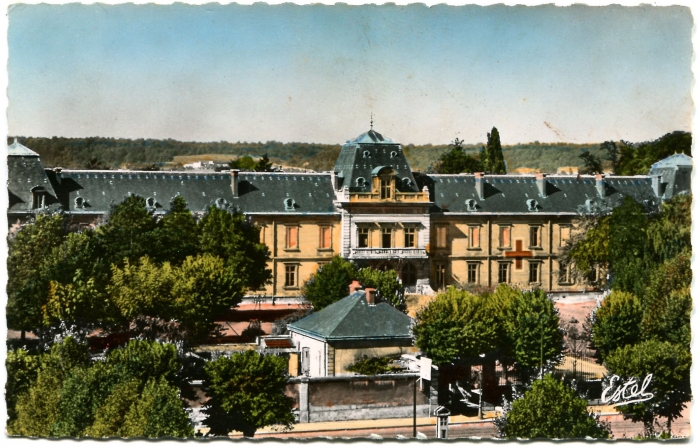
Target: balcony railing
(393, 252)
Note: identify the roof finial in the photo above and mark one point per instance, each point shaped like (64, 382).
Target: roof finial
(371, 121)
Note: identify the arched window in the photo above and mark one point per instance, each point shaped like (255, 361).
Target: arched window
(79, 202)
(531, 205)
(289, 204)
(360, 182)
(150, 202)
(39, 197)
(471, 205)
(406, 182)
(365, 155)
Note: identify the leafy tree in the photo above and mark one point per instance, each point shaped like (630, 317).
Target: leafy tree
(628, 246)
(670, 366)
(79, 302)
(617, 322)
(535, 338)
(591, 163)
(387, 283)
(177, 234)
(246, 392)
(263, 164)
(457, 324)
(550, 410)
(142, 290)
(127, 233)
(492, 157)
(27, 287)
(109, 417)
(593, 249)
(330, 283)
(245, 163)
(669, 318)
(231, 237)
(371, 366)
(22, 370)
(456, 161)
(157, 413)
(638, 158)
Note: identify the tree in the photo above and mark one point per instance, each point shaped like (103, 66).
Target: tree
(22, 370)
(157, 413)
(591, 163)
(457, 324)
(27, 287)
(263, 164)
(628, 246)
(617, 322)
(246, 392)
(550, 410)
(456, 161)
(372, 366)
(669, 365)
(638, 158)
(330, 283)
(127, 233)
(245, 163)
(228, 235)
(492, 157)
(387, 284)
(535, 338)
(177, 234)
(613, 154)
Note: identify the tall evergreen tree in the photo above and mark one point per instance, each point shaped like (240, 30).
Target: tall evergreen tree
(492, 158)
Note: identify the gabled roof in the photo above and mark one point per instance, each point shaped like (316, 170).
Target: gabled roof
(352, 318)
(508, 194)
(360, 157)
(18, 149)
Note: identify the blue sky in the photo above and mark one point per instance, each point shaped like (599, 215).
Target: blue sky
(315, 73)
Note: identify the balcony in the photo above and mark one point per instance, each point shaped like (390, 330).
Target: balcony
(393, 252)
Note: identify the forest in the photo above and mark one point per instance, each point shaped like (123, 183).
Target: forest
(113, 153)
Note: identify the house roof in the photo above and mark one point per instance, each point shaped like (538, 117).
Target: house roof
(25, 176)
(508, 194)
(673, 161)
(361, 157)
(18, 149)
(353, 318)
(267, 193)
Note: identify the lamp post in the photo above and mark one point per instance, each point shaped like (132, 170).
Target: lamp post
(480, 414)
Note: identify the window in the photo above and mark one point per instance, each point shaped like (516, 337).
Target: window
(472, 272)
(440, 271)
(535, 237)
(290, 275)
(409, 237)
(564, 274)
(473, 237)
(534, 272)
(385, 188)
(386, 237)
(565, 235)
(593, 274)
(305, 361)
(504, 236)
(292, 240)
(38, 197)
(441, 237)
(324, 237)
(363, 237)
(503, 271)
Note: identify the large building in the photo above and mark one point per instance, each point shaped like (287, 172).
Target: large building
(437, 230)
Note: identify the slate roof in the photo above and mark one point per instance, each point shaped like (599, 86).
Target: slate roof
(360, 156)
(675, 172)
(25, 173)
(508, 194)
(351, 319)
(257, 192)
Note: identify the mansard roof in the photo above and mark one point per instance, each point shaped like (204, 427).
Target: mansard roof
(360, 157)
(675, 172)
(26, 175)
(353, 318)
(88, 191)
(509, 194)
(676, 160)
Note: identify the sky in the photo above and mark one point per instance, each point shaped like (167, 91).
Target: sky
(316, 73)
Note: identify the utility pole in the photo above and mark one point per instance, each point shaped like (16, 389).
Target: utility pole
(541, 344)
(415, 429)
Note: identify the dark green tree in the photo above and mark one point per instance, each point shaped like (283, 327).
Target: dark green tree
(127, 235)
(157, 413)
(591, 163)
(613, 154)
(177, 233)
(456, 161)
(27, 284)
(230, 236)
(246, 393)
(330, 283)
(550, 410)
(245, 163)
(669, 366)
(492, 156)
(617, 322)
(263, 164)
(628, 246)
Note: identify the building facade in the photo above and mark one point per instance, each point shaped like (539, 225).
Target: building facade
(438, 230)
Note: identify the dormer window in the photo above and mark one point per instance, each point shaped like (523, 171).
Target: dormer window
(393, 154)
(150, 203)
(406, 182)
(221, 203)
(289, 205)
(471, 205)
(385, 188)
(79, 202)
(360, 182)
(365, 155)
(39, 197)
(531, 205)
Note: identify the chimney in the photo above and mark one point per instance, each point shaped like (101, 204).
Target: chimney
(58, 171)
(656, 185)
(334, 180)
(600, 185)
(541, 184)
(371, 294)
(234, 183)
(354, 286)
(479, 184)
